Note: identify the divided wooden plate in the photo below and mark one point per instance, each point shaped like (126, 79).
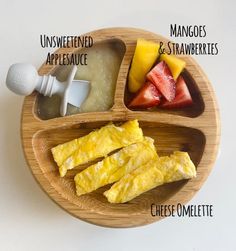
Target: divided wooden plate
(195, 130)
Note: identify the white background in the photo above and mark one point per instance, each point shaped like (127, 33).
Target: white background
(29, 220)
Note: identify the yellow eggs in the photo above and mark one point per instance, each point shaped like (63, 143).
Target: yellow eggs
(154, 173)
(176, 167)
(114, 167)
(133, 184)
(134, 169)
(96, 144)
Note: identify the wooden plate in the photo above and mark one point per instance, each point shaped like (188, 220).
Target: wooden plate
(195, 130)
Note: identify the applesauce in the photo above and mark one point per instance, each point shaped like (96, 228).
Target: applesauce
(102, 69)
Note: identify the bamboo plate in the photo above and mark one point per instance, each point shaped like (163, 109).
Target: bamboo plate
(195, 130)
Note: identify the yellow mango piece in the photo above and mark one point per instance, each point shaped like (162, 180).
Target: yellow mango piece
(96, 144)
(175, 64)
(114, 167)
(145, 55)
(154, 173)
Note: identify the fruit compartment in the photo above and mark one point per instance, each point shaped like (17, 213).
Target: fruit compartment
(194, 110)
(168, 138)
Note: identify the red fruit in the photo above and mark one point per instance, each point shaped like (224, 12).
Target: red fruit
(162, 78)
(148, 96)
(182, 98)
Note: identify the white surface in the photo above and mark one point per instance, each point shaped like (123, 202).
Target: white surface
(29, 220)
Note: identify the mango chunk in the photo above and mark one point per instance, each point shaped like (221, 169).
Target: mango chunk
(175, 64)
(145, 55)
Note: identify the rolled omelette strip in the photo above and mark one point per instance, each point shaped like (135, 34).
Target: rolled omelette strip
(96, 144)
(154, 173)
(115, 166)
(177, 166)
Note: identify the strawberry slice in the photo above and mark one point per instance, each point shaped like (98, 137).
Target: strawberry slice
(182, 98)
(162, 78)
(148, 96)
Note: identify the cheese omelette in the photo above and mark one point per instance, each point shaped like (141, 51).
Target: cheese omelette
(114, 167)
(154, 173)
(96, 144)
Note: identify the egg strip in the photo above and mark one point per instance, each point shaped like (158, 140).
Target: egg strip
(154, 173)
(114, 167)
(96, 144)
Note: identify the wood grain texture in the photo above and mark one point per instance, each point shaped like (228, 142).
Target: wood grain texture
(195, 129)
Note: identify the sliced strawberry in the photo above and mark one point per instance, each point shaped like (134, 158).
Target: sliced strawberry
(182, 98)
(162, 78)
(148, 96)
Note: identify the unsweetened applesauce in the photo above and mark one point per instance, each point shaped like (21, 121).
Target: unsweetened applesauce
(103, 64)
